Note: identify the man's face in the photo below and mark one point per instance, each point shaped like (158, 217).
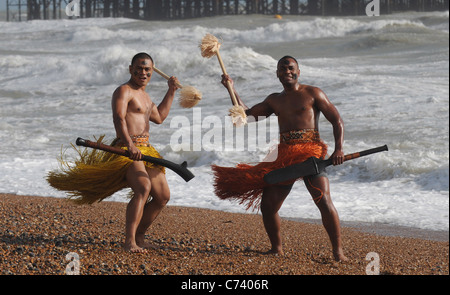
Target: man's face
(141, 71)
(288, 71)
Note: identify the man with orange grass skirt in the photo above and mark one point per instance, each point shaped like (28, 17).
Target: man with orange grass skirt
(298, 108)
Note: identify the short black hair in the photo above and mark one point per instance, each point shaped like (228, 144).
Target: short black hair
(286, 57)
(141, 55)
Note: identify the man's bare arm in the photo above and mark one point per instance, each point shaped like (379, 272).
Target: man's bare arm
(160, 113)
(262, 109)
(225, 80)
(332, 115)
(119, 104)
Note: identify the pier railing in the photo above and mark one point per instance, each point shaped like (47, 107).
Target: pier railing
(18, 10)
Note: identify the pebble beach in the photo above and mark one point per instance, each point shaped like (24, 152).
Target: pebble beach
(42, 235)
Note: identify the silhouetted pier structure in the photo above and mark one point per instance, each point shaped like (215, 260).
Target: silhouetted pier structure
(18, 10)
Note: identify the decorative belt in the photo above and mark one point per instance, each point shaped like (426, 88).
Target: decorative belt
(138, 140)
(300, 136)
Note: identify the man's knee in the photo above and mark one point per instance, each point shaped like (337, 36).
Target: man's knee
(142, 190)
(266, 207)
(273, 198)
(325, 205)
(319, 188)
(165, 198)
(162, 198)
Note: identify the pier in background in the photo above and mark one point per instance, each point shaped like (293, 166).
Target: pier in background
(20, 10)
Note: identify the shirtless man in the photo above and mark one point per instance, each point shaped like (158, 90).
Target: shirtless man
(298, 107)
(132, 112)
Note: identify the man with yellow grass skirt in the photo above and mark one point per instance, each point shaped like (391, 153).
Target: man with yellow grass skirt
(97, 175)
(298, 108)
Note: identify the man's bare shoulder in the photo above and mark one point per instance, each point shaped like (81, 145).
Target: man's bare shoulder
(272, 100)
(310, 88)
(125, 87)
(124, 91)
(314, 90)
(122, 88)
(273, 96)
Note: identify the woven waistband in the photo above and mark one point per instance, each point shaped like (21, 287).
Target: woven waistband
(300, 136)
(138, 140)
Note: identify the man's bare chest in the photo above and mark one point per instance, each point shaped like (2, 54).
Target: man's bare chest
(140, 104)
(293, 105)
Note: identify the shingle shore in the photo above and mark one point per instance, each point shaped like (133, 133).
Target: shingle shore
(42, 235)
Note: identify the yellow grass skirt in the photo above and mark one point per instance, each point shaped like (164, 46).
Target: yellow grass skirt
(245, 182)
(95, 174)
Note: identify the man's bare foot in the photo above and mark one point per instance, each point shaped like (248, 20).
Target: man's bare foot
(340, 257)
(147, 245)
(140, 241)
(133, 248)
(274, 252)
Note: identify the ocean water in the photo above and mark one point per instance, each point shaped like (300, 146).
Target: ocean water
(388, 76)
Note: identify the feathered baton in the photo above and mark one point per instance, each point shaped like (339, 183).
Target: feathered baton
(210, 47)
(189, 96)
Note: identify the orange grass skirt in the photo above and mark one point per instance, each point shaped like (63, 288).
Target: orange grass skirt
(95, 174)
(245, 184)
